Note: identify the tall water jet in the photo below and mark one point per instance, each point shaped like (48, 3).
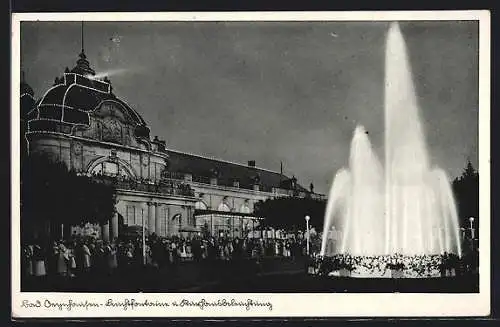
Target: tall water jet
(337, 198)
(406, 207)
(360, 184)
(406, 159)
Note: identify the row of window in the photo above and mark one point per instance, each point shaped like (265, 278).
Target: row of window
(135, 216)
(111, 168)
(244, 208)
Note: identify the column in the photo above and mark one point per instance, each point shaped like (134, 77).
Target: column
(167, 221)
(151, 218)
(211, 224)
(158, 219)
(190, 219)
(114, 225)
(105, 231)
(182, 220)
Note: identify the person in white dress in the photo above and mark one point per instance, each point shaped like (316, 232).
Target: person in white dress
(62, 260)
(172, 252)
(86, 257)
(71, 261)
(112, 261)
(149, 258)
(39, 261)
(183, 250)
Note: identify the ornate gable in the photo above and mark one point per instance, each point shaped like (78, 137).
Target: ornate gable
(112, 122)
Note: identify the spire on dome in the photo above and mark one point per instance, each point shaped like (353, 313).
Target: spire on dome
(82, 65)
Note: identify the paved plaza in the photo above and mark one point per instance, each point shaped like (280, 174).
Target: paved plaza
(283, 275)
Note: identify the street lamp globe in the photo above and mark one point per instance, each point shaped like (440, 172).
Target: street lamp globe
(307, 231)
(471, 220)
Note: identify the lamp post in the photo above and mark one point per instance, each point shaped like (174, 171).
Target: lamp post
(471, 221)
(143, 238)
(472, 234)
(307, 231)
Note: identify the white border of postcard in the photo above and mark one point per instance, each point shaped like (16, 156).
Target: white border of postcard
(283, 305)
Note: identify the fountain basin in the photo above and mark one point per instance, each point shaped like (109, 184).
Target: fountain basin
(387, 266)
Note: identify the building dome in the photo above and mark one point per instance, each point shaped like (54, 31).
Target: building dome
(77, 94)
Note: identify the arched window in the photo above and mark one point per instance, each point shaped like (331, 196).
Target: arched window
(200, 205)
(223, 207)
(110, 168)
(245, 208)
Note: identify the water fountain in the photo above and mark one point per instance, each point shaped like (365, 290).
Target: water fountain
(404, 207)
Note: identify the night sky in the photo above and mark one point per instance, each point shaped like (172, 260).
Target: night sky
(272, 91)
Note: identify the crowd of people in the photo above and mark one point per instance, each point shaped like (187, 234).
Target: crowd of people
(426, 265)
(80, 255)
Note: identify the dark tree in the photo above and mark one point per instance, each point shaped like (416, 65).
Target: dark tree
(52, 194)
(466, 191)
(289, 213)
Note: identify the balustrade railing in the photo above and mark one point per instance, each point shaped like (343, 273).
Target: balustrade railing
(175, 184)
(172, 175)
(201, 179)
(170, 187)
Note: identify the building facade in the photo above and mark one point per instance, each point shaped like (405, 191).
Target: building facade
(81, 122)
